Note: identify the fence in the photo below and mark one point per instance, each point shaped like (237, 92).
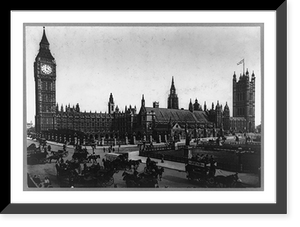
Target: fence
(165, 157)
(226, 159)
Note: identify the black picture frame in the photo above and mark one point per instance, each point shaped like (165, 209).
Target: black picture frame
(280, 207)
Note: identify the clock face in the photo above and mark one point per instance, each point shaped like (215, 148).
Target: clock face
(47, 69)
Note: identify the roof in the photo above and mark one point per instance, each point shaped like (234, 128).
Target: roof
(44, 38)
(44, 51)
(177, 115)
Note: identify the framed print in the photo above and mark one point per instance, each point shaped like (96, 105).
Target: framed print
(147, 114)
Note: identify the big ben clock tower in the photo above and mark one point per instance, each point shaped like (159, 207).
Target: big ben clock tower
(45, 96)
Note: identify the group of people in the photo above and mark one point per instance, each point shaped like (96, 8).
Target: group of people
(109, 149)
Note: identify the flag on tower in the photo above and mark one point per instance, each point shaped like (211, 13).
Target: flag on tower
(240, 62)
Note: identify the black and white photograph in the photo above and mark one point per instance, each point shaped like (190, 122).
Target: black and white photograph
(144, 106)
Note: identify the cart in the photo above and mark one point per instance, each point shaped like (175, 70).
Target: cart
(201, 172)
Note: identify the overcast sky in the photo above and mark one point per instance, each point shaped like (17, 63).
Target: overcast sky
(128, 61)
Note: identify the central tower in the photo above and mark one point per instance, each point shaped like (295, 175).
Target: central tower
(173, 98)
(45, 96)
(111, 104)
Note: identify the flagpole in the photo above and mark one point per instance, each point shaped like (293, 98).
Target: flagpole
(243, 66)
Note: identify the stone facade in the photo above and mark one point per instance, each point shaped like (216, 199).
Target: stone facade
(150, 122)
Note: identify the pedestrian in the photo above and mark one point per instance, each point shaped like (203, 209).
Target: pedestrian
(103, 149)
(47, 182)
(162, 158)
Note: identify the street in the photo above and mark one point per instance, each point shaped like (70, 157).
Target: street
(170, 179)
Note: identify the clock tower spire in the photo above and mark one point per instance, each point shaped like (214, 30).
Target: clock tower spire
(45, 91)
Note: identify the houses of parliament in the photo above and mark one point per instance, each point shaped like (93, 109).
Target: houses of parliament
(60, 122)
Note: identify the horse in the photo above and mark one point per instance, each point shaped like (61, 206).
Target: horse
(226, 181)
(93, 157)
(54, 157)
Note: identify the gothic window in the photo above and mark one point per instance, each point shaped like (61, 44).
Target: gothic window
(48, 86)
(43, 85)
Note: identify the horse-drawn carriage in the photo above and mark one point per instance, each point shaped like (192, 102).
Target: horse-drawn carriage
(71, 174)
(80, 153)
(35, 156)
(204, 170)
(140, 180)
(117, 161)
(201, 171)
(57, 155)
(146, 179)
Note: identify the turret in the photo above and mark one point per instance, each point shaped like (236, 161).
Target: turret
(191, 108)
(196, 105)
(77, 108)
(143, 101)
(234, 77)
(252, 76)
(117, 109)
(226, 116)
